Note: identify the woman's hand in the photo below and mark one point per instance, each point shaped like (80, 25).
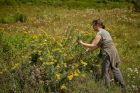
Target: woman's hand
(80, 42)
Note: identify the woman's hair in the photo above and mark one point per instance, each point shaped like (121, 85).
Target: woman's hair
(98, 22)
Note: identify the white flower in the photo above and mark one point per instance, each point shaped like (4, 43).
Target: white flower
(130, 69)
(136, 70)
(133, 86)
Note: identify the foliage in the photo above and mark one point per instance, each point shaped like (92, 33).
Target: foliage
(13, 19)
(136, 5)
(72, 3)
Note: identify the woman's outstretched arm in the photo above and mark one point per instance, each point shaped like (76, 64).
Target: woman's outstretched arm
(93, 45)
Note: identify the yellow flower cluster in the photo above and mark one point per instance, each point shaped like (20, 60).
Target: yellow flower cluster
(40, 58)
(63, 87)
(76, 73)
(53, 54)
(83, 63)
(70, 77)
(58, 76)
(15, 66)
(65, 65)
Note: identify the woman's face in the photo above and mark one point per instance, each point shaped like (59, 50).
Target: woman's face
(95, 27)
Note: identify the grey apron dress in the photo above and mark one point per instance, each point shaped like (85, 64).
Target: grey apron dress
(110, 58)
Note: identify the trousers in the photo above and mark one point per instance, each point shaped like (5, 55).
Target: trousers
(106, 66)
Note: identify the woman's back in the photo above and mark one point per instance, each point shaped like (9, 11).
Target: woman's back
(106, 38)
(106, 44)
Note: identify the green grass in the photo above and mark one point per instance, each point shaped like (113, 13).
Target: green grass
(54, 30)
(73, 3)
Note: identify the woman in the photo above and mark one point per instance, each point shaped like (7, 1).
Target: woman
(108, 51)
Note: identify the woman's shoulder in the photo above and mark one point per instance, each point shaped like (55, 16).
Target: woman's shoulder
(101, 31)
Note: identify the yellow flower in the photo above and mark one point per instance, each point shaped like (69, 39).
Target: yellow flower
(44, 43)
(65, 65)
(63, 87)
(76, 72)
(72, 66)
(58, 76)
(34, 36)
(84, 63)
(15, 66)
(40, 58)
(34, 51)
(70, 77)
(58, 66)
(39, 51)
(48, 63)
(25, 32)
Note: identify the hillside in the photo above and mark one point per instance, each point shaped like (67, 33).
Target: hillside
(39, 52)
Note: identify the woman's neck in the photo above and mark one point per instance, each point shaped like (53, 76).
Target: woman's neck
(100, 29)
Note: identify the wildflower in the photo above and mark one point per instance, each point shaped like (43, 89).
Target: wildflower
(44, 43)
(45, 40)
(58, 76)
(136, 70)
(25, 32)
(72, 66)
(34, 51)
(133, 86)
(15, 66)
(76, 72)
(48, 63)
(70, 77)
(34, 36)
(65, 55)
(65, 65)
(130, 69)
(39, 52)
(58, 66)
(63, 87)
(84, 63)
(40, 58)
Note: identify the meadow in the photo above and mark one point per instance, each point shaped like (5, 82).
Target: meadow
(39, 51)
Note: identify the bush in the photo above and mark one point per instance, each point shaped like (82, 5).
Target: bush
(6, 19)
(13, 19)
(20, 17)
(137, 5)
(8, 2)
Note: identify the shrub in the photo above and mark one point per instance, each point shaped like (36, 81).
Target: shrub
(8, 2)
(13, 19)
(136, 5)
(20, 17)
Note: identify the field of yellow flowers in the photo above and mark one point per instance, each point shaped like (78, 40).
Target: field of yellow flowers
(39, 51)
